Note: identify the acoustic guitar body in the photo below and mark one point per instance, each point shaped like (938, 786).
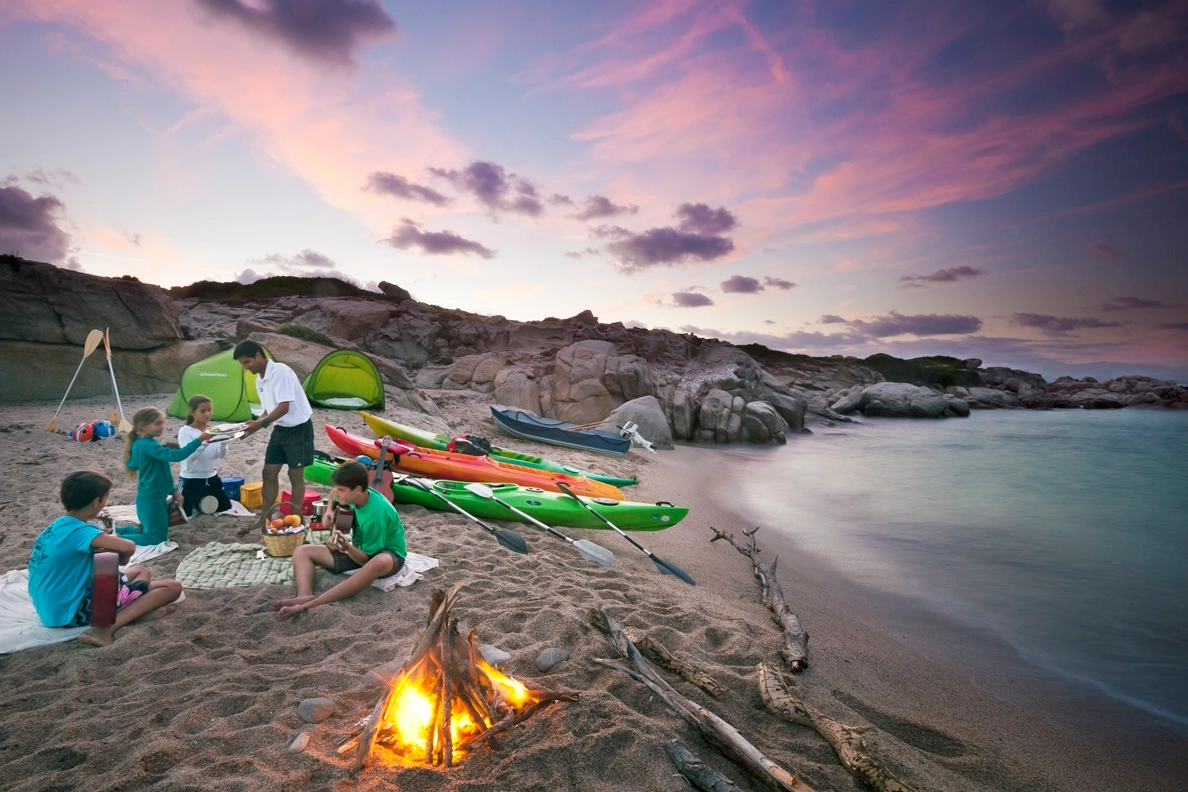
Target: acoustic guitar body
(105, 586)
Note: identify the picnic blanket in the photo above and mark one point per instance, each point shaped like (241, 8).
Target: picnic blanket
(19, 626)
(223, 564)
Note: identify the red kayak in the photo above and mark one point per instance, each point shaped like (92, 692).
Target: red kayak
(463, 467)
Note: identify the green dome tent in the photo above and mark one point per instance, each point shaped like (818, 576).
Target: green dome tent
(230, 387)
(345, 380)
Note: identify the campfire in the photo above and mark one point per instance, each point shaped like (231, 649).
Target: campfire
(445, 700)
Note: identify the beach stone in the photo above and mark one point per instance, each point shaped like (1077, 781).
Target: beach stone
(549, 658)
(494, 655)
(649, 415)
(298, 745)
(315, 710)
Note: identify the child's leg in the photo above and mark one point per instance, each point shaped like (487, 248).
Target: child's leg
(192, 492)
(214, 486)
(138, 572)
(306, 559)
(160, 594)
(381, 564)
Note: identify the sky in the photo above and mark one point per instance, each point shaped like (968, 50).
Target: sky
(1004, 180)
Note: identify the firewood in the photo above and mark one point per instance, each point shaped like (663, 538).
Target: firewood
(795, 647)
(447, 682)
(697, 772)
(661, 656)
(846, 740)
(717, 731)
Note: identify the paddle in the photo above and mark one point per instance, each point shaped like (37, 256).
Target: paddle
(509, 539)
(665, 567)
(92, 342)
(124, 426)
(589, 550)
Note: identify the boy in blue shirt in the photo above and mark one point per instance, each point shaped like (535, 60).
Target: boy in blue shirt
(376, 547)
(60, 568)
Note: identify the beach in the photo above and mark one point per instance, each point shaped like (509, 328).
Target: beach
(207, 697)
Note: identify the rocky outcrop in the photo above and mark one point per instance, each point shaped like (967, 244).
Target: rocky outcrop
(898, 400)
(591, 379)
(48, 305)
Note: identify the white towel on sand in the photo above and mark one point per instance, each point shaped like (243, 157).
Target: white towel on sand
(414, 565)
(20, 628)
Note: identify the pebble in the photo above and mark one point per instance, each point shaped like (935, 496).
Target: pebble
(316, 709)
(298, 745)
(494, 655)
(549, 658)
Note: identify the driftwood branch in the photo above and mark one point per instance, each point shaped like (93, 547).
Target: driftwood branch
(846, 740)
(795, 647)
(717, 731)
(661, 656)
(697, 772)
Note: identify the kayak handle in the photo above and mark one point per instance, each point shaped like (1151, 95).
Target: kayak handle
(664, 503)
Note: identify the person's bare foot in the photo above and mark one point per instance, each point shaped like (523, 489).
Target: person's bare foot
(284, 603)
(159, 613)
(97, 637)
(290, 610)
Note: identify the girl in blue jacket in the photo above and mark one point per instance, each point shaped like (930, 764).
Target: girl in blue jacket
(147, 462)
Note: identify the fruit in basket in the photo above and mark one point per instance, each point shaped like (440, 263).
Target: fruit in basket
(277, 524)
(292, 519)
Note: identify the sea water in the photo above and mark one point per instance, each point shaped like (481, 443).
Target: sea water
(1062, 535)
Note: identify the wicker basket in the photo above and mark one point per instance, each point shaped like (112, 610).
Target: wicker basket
(280, 546)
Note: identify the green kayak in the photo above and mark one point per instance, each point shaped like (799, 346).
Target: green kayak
(551, 508)
(382, 426)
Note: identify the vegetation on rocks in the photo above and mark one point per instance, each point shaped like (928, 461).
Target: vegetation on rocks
(937, 370)
(270, 289)
(307, 334)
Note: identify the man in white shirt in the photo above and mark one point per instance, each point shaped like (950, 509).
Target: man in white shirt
(286, 407)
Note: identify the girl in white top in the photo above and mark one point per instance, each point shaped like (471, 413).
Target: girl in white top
(200, 471)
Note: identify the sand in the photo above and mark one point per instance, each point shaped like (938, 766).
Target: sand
(207, 698)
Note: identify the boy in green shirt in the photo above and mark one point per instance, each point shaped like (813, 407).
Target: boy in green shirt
(376, 548)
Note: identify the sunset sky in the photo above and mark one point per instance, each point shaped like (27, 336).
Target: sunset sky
(1006, 180)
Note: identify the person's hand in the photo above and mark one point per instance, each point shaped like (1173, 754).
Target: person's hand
(205, 436)
(179, 500)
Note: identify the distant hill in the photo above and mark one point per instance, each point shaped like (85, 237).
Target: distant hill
(269, 289)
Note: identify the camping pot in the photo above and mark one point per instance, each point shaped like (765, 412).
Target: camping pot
(319, 509)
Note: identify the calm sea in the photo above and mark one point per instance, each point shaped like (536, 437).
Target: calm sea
(1058, 540)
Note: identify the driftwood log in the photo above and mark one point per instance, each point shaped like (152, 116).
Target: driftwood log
(846, 740)
(661, 656)
(795, 647)
(697, 772)
(717, 731)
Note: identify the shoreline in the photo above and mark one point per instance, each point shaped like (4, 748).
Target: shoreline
(208, 696)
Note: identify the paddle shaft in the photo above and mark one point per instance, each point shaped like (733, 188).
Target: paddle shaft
(530, 518)
(497, 533)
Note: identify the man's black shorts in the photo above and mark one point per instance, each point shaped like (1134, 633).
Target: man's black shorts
(344, 563)
(291, 445)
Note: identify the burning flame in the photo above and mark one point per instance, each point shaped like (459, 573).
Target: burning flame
(412, 709)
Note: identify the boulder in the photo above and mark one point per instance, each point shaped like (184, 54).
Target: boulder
(649, 415)
(354, 319)
(762, 424)
(851, 402)
(682, 415)
(48, 305)
(590, 379)
(296, 353)
(971, 363)
(901, 400)
(157, 371)
(517, 387)
(991, 397)
(394, 291)
(789, 407)
(406, 338)
(714, 411)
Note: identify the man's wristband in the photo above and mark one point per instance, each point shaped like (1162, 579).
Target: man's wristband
(263, 423)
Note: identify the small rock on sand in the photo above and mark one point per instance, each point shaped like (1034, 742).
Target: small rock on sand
(494, 655)
(549, 658)
(298, 745)
(315, 710)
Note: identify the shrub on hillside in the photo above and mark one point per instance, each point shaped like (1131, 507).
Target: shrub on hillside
(937, 370)
(306, 333)
(270, 289)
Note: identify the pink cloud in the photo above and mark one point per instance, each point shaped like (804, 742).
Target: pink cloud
(329, 128)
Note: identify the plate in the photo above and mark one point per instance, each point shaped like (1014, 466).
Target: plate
(230, 428)
(222, 438)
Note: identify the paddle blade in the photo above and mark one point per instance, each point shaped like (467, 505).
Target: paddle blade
(594, 553)
(52, 425)
(481, 490)
(669, 568)
(512, 541)
(94, 339)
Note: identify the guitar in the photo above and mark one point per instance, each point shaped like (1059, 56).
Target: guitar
(105, 586)
(381, 480)
(344, 524)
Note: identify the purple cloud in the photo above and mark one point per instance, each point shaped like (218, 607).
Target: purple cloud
(1060, 324)
(604, 231)
(1173, 326)
(897, 324)
(741, 284)
(778, 283)
(301, 262)
(666, 246)
(689, 299)
(30, 226)
(700, 219)
(399, 187)
(495, 188)
(941, 276)
(323, 30)
(1129, 303)
(434, 243)
(1107, 251)
(597, 206)
(557, 199)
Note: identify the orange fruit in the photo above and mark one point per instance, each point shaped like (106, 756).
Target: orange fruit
(292, 519)
(278, 523)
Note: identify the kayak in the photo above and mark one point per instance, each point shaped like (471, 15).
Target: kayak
(382, 426)
(463, 467)
(530, 426)
(551, 508)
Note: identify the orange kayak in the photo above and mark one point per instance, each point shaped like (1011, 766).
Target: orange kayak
(463, 467)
